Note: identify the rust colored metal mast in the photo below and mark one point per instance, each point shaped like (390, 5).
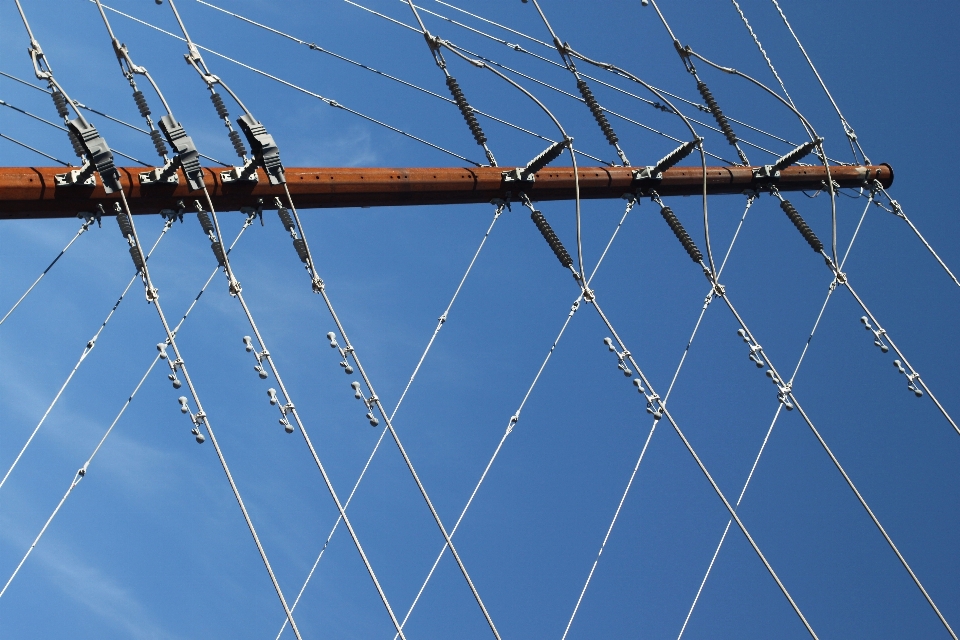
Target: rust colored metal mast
(31, 192)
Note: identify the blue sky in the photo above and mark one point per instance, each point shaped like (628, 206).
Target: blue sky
(152, 545)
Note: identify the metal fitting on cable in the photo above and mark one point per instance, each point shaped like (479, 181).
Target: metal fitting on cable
(551, 237)
(688, 244)
(801, 225)
(717, 113)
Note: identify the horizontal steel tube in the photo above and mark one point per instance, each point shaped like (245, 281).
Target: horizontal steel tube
(31, 192)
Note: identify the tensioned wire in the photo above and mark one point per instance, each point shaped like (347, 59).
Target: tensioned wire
(87, 350)
(80, 105)
(512, 422)
(656, 421)
(328, 101)
(441, 322)
(81, 474)
(83, 228)
(657, 105)
(773, 423)
(37, 151)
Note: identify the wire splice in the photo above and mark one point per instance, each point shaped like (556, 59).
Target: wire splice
(717, 113)
(466, 110)
(551, 237)
(801, 225)
(597, 112)
(682, 235)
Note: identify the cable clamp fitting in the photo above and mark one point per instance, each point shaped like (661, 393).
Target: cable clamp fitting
(756, 351)
(912, 378)
(784, 389)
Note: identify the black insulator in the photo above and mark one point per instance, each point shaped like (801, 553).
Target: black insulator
(682, 234)
(206, 223)
(548, 234)
(301, 246)
(60, 102)
(158, 142)
(219, 106)
(466, 110)
(675, 156)
(548, 155)
(218, 252)
(597, 112)
(124, 223)
(801, 225)
(794, 156)
(141, 103)
(77, 147)
(137, 261)
(286, 219)
(717, 114)
(237, 143)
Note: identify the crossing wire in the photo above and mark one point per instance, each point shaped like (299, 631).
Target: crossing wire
(514, 419)
(87, 350)
(709, 297)
(328, 101)
(315, 47)
(64, 129)
(786, 394)
(102, 114)
(441, 322)
(82, 472)
(657, 105)
(773, 423)
(541, 82)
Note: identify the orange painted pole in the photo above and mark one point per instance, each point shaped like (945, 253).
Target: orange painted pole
(31, 192)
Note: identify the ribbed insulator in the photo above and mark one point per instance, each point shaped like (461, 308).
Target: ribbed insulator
(238, 144)
(206, 223)
(158, 142)
(77, 147)
(137, 262)
(597, 112)
(682, 235)
(218, 252)
(548, 234)
(124, 223)
(141, 103)
(301, 246)
(60, 103)
(548, 155)
(801, 225)
(674, 157)
(717, 114)
(286, 219)
(219, 106)
(466, 110)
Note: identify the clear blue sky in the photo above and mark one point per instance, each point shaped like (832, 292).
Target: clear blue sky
(151, 545)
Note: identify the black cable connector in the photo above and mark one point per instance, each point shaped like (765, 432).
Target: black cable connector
(141, 103)
(551, 237)
(717, 114)
(801, 225)
(466, 110)
(597, 112)
(682, 235)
